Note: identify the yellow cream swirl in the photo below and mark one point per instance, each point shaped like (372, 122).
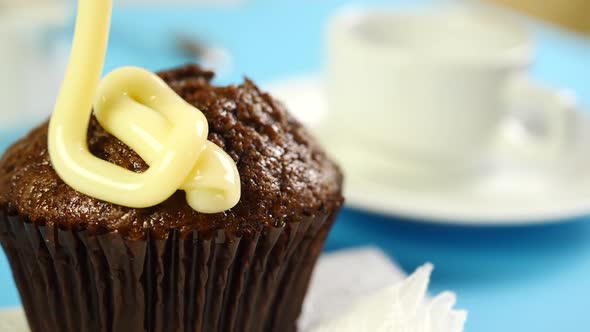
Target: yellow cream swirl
(138, 108)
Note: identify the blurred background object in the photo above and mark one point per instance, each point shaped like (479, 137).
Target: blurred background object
(215, 3)
(31, 60)
(571, 14)
(126, 2)
(27, 3)
(210, 56)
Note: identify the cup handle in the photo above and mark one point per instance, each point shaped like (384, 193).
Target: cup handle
(541, 119)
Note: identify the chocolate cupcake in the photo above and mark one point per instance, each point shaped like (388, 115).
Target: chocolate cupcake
(82, 264)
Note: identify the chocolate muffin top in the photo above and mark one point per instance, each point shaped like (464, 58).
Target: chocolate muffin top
(285, 175)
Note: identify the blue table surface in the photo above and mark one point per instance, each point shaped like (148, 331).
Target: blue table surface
(509, 278)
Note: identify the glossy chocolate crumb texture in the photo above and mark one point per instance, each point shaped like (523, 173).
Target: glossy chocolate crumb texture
(285, 174)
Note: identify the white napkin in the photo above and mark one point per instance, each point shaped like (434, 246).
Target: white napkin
(13, 320)
(343, 277)
(362, 291)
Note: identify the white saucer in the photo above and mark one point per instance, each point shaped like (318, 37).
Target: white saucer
(506, 194)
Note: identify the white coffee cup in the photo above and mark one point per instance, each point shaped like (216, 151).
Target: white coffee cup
(431, 90)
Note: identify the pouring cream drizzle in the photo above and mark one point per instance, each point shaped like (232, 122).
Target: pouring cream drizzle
(138, 108)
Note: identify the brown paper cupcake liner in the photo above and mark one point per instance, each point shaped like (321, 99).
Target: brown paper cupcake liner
(71, 280)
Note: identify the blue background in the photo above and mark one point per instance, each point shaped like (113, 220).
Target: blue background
(509, 278)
